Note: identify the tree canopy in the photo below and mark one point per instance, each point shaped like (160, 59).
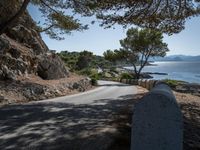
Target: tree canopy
(55, 20)
(137, 47)
(168, 16)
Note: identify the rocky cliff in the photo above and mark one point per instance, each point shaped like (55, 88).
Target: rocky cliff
(22, 50)
(28, 70)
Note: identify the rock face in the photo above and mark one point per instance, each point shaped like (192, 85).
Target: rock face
(15, 58)
(22, 50)
(51, 67)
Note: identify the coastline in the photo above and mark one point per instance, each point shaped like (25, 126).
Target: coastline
(176, 70)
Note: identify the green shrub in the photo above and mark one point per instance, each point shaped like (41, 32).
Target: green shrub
(172, 83)
(94, 81)
(86, 72)
(94, 76)
(126, 76)
(113, 69)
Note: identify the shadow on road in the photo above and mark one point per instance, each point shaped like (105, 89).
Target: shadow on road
(65, 126)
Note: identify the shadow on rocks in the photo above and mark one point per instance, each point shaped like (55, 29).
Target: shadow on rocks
(54, 126)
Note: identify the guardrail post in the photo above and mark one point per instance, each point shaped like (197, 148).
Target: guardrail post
(157, 121)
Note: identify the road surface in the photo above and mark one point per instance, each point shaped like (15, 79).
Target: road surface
(77, 122)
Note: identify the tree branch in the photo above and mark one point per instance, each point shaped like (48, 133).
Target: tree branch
(45, 29)
(12, 20)
(45, 4)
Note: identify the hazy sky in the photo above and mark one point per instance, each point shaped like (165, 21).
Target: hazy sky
(97, 39)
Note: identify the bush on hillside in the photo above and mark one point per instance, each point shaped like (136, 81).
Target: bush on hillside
(94, 82)
(126, 76)
(172, 83)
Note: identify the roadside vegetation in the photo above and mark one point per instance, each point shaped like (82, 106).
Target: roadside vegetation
(173, 83)
(93, 66)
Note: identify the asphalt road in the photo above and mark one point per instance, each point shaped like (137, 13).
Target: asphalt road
(77, 122)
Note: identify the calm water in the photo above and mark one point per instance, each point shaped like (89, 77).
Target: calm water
(186, 71)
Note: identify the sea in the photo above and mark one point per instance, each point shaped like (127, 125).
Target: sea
(188, 71)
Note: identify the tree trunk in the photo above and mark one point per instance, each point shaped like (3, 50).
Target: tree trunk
(11, 21)
(137, 76)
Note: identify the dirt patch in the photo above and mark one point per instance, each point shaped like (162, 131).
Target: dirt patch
(190, 107)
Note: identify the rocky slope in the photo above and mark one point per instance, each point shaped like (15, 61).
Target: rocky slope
(33, 88)
(22, 50)
(23, 53)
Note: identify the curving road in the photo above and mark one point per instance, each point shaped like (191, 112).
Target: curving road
(77, 122)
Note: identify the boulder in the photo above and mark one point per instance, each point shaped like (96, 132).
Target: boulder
(51, 67)
(6, 74)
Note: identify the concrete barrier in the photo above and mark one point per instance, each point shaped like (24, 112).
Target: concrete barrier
(123, 80)
(139, 82)
(128, 81)
(143, 83)
(151, 84)
(134, 82)
(148, 84)
(157, 121)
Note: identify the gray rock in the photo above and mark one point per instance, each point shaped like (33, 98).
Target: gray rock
(6, 74)
(22, 49)
(51, 67)
(11, 76)
(2, 97)
(76, 85)
(15, 53)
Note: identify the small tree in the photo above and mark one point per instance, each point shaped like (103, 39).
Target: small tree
(138, 46)
(84, 60)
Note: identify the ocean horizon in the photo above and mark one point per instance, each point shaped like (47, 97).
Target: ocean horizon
(188, 71)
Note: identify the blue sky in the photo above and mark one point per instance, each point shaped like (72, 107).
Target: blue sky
(98, 39)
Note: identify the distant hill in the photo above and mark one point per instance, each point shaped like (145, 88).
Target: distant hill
(176, 58)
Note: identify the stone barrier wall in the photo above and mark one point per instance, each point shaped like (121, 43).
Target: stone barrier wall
(145, 83)
(157, 120)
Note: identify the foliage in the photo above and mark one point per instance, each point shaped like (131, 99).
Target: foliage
(57, 22)
(138, 46)
(71, 60)
(94, 82)
(100, 62)
(94, 75)
(54, 21)
(126, 76)
(173, 83)
(109, 55)
(168, 16)
(85, 71)
(113, 69)
(84, 59)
